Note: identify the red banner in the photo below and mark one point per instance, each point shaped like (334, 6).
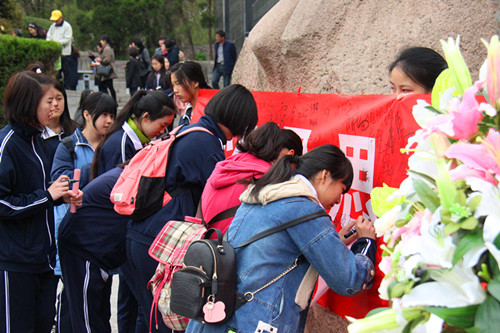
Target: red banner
(370, 129)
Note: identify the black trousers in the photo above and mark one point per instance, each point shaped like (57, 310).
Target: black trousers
(106, 85)
(27, 302)
(88, 289)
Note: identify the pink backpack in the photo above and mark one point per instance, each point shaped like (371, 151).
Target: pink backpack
(140, 190)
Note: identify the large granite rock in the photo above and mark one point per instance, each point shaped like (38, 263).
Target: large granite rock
(346, 46)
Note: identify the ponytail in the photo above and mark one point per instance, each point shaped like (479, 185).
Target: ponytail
(325, 157)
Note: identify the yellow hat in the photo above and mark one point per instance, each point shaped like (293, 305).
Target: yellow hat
(56, 14)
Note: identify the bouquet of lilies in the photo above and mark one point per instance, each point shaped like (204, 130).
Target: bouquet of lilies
(442, 225)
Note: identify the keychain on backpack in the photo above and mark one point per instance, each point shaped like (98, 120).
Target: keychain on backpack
(214, 312)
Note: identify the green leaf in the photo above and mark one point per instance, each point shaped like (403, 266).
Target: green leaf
(469, 224)
(487, 316)
(451, 228)
(427, 195)
(414, 323)
(474, 202)
(445, 186)
(397, 290)
(494, 287)
(423, 175)
(459, 317)
(496, 242)
(375, 311)
(466, 244)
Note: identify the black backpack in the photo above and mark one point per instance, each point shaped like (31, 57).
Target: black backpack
(204, 289)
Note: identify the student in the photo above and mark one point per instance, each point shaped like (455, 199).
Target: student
(157, 79)
(187, 79)
(231, 112)
(91, 244)
(27, 254)
(144, 117)
(60, 124)
(293, 187)
(415, 71)
(259, 151)
(78, 117)
(132, 71)
(98, 111)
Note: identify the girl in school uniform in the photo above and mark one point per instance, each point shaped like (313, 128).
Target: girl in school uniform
(27, 254)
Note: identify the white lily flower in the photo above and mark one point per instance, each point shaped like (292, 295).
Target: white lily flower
(421, 114)
(452, 288)
(433, 325)
(387, 222)
(490, 233)
(431, 245)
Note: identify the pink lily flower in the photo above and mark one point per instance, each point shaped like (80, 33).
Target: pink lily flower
(480, 160)
(493, 70)
(460, 123)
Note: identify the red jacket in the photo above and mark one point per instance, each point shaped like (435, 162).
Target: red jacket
(222, 191)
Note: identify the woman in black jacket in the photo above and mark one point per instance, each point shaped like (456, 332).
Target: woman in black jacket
(27, 254)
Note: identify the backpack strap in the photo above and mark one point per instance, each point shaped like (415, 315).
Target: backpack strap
(283, 226)
(68, 143)
(226, 213)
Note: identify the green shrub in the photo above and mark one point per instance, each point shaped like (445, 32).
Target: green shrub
(200, 55)
(17, 53)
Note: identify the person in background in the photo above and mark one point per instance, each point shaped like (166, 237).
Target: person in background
(281, 269)
(415, 71)
(158, 78)
(144, 60)
(158, 50)
(260, 149)
(107, 58)
(78, 118)
(224, 60)
(17, 33)
(187, 79)
(27, 200)
(36, 31)
(172, 52)
(60, 31)
(132, 70)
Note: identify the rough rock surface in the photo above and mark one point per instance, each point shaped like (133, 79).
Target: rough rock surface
(346, 46)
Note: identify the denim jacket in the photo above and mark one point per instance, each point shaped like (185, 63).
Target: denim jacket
(258, 263)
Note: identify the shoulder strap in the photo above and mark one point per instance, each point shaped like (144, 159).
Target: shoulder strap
(226, 213)
(68, 143)
(283, 226)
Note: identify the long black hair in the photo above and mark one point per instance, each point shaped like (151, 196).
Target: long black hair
(421, 64)
(325, 157)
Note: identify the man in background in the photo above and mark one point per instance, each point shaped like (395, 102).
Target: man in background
(60, 31)
(225, 58)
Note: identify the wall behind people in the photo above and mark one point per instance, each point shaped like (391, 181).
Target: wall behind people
(344, 47)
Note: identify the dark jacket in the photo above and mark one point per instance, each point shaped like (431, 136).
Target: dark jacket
(26, 207)
(229, 52)
(173, 55)
(133, 79)
(96, 232)
(192, 160)
(118, 148)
